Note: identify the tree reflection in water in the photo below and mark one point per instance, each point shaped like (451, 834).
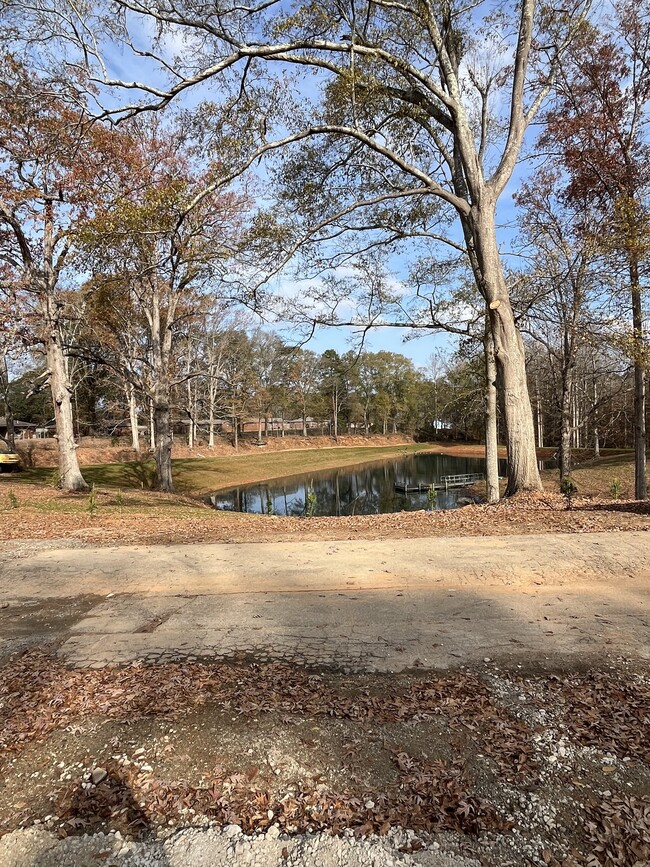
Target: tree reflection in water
(365, 489)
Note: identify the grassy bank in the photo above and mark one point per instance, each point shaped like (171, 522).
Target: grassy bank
(122, 509)
(204, 475)
(595, 477)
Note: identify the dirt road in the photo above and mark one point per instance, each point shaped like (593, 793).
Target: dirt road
(536, 749)
(361, 606)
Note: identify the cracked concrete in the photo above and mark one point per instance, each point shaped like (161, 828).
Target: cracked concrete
(360, 606)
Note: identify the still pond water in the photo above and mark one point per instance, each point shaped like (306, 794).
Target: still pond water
(364, 489)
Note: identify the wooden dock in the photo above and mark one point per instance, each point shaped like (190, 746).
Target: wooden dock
(461, 480)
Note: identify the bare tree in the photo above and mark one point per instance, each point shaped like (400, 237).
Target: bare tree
(157, 247)
(409, 93)
(599, 127)
(562, 294)
(50, 168)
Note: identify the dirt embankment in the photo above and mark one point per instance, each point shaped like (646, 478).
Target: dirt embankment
(143, 517)
(97, 450)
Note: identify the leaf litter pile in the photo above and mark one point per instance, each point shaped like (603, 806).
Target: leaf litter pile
(604, 712)
(144, 518)
(496, 759)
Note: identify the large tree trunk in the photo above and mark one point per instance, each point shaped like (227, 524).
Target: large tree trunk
(69, 473)
(539, 416)
(595, 432)
(212, 397)
(575, 417)
(523, 473)
(491, 443)
(191, 432)
(163, 448)
(190, 410)
(9, 421)
(9, 416)
(640, 472)
(160, 315)
(566, 419)
(133, 418)
(152, 428)
(235, 431)
(70, 477)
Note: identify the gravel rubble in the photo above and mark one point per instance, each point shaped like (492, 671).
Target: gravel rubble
(215, 847)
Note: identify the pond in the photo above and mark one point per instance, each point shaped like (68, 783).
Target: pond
(364, 489)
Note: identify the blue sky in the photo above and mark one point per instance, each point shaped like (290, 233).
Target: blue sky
(124, 65)
(418, 349)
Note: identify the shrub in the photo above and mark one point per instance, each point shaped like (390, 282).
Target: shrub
(310, 505)
(92, 501)
(615, 489)
(569, 488)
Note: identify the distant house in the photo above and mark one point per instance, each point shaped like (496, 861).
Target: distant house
(246, 426)
(273, 425)
(121, 427)
(22, 429)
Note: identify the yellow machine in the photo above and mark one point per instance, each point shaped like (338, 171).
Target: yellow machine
(9, 460)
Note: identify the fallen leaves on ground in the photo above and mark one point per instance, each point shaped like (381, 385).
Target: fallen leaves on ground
(603, 710)
(39, 694)
(428, 796)
(600, 710)
(619, 833)
(158, 519)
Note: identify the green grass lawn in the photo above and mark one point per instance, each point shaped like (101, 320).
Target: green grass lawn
(196, 477)
(205, 475)
(594, 476)
(122, 490)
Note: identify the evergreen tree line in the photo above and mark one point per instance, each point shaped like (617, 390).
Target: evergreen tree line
(251, 383)
(235, 382)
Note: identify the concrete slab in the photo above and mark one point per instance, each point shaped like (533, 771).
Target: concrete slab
(560, 559)
(372, 631)
(371, 606)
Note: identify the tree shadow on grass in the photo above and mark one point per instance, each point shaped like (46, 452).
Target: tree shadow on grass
(139, 474)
